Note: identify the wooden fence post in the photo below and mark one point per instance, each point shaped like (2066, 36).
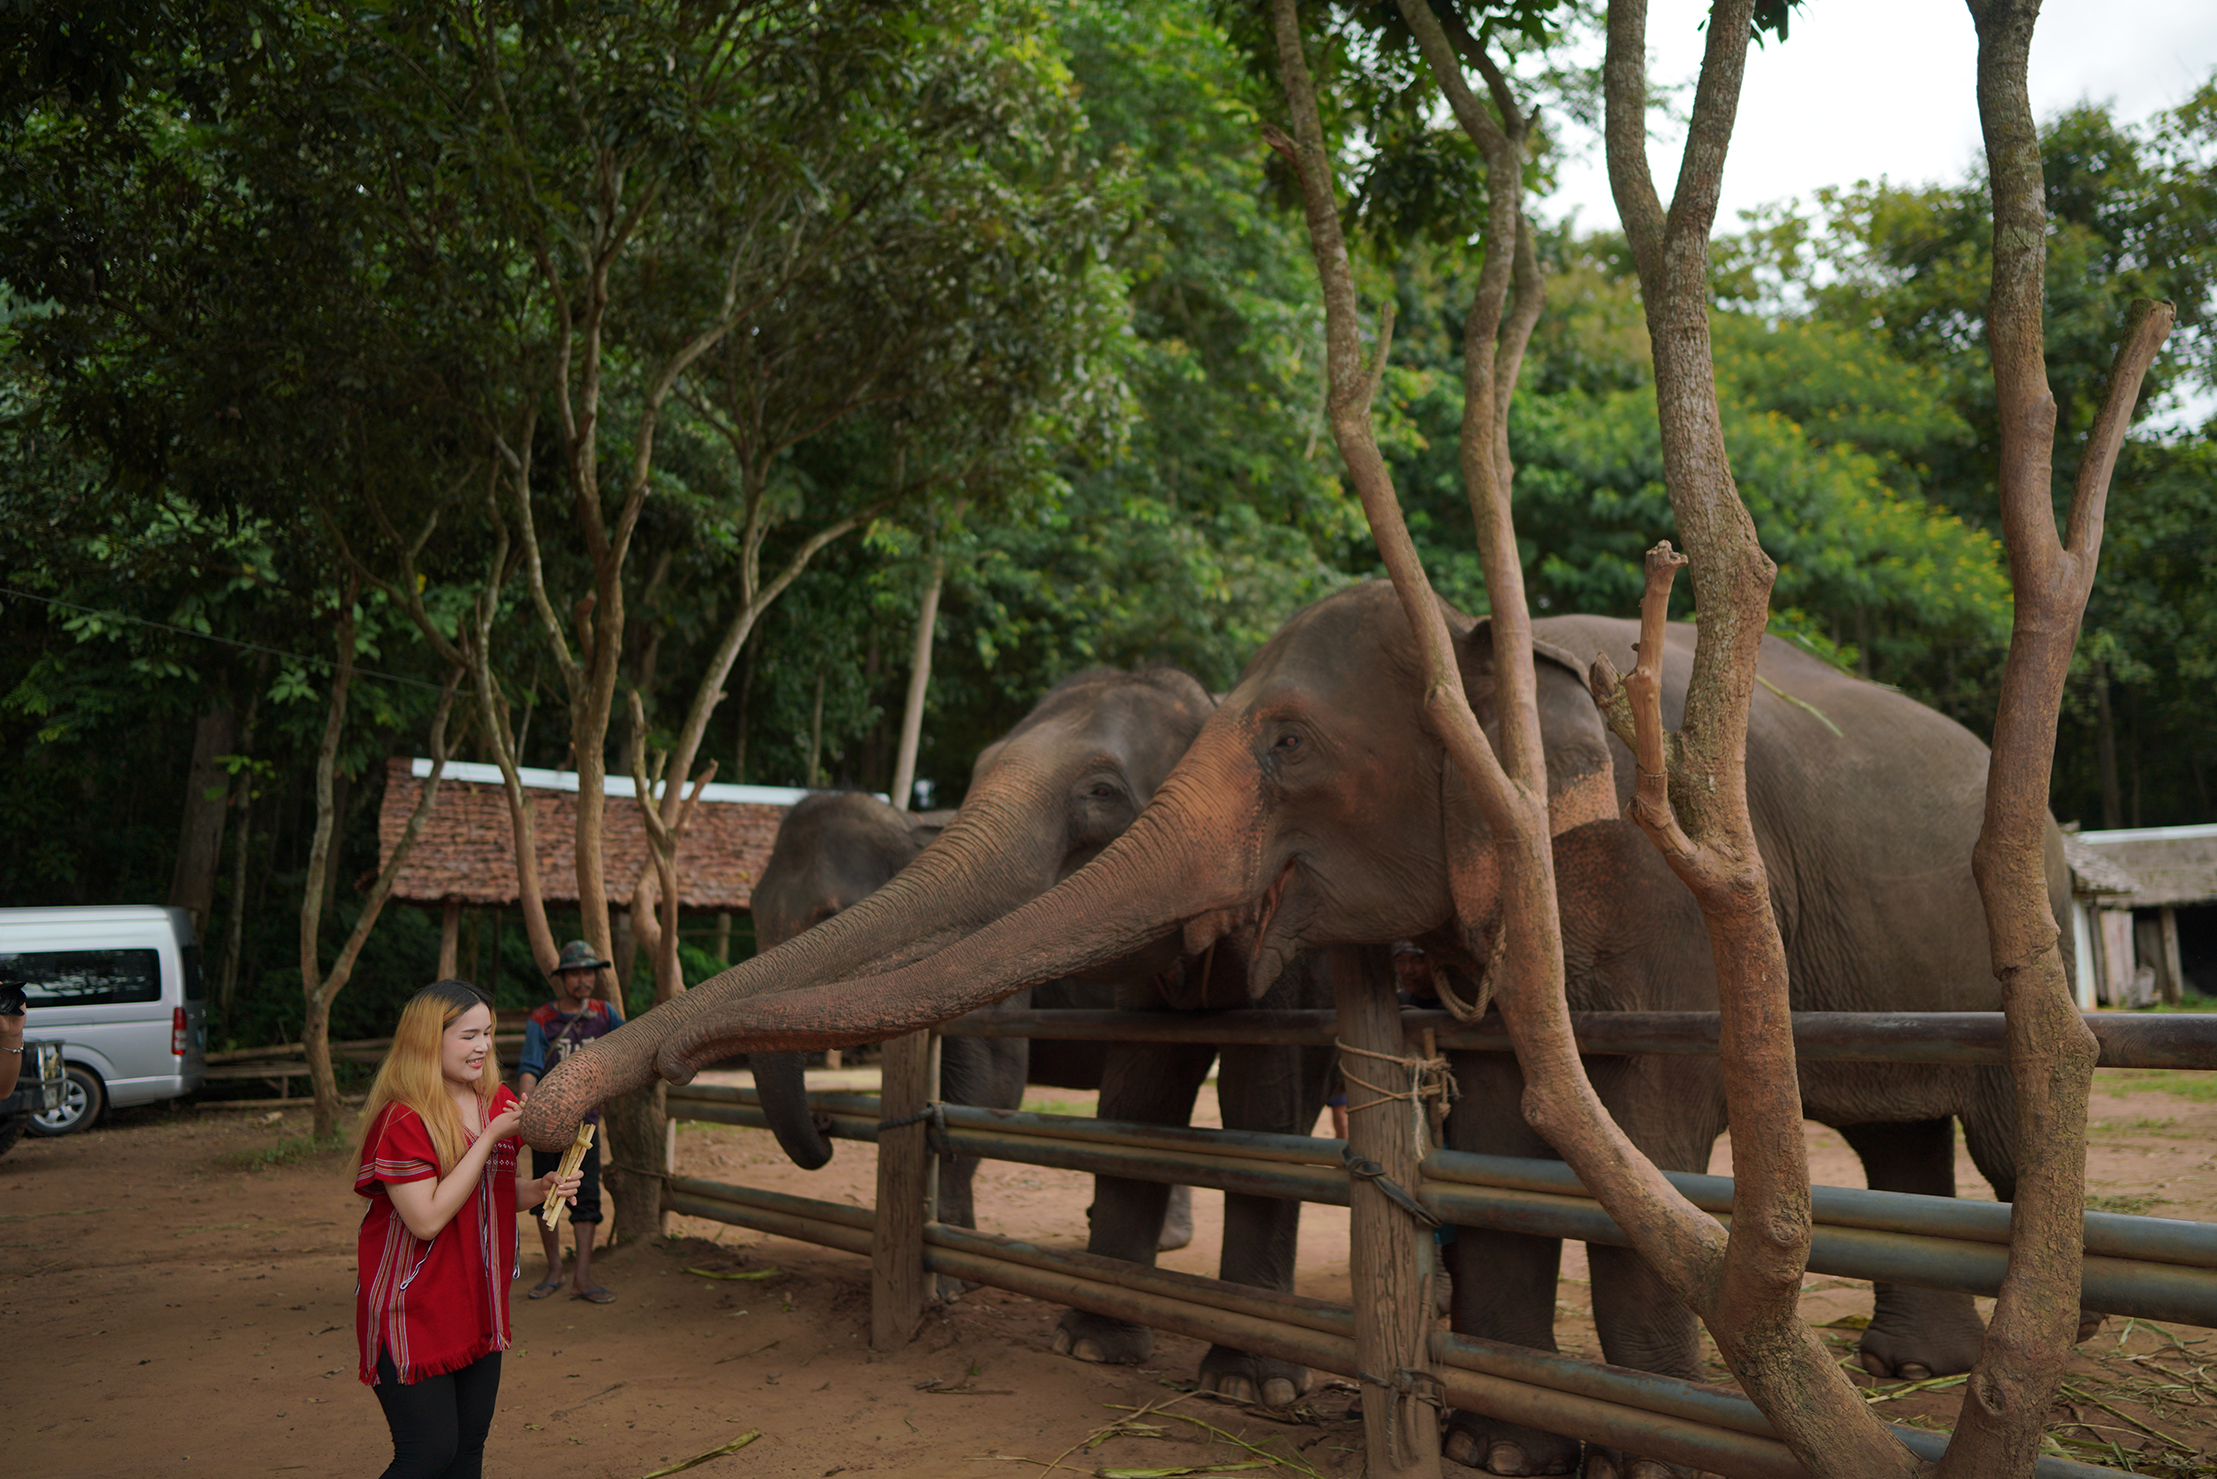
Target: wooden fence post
(1392, 1253)
(904, 1194)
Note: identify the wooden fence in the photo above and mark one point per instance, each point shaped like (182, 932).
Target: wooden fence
(2152, 1268)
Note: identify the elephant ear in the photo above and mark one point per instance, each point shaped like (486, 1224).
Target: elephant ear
(1581, 777)
(1581, 789)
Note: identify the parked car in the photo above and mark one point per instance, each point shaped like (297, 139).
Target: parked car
(120, 987)
(37, 1091)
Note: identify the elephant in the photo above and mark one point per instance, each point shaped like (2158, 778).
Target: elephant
(1317, 808)
(836, 848)
(1044, 801)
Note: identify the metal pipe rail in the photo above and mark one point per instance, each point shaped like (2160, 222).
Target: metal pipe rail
(1680, 1422)
(1961, 1039)
(2151, 1268)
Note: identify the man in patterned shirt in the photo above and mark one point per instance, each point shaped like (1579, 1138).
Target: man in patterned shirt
(553, 1032)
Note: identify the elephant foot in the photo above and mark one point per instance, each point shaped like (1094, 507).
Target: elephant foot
(948, 1288)
(1245, 1378)
(1100, 1339)
(1494, 1447)
(2089, 1322)
(1177, 1221)
(1916, 1334)
(1611, 1463)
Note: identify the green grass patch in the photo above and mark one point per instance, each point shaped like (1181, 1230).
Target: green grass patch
(1057, 1106)
(2187, 1083)
(2130, 1203)
(2139, 1125)
(294, 1149)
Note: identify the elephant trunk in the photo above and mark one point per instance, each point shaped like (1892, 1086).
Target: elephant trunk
(778, 1077)
(1190, 862)
(990, 857)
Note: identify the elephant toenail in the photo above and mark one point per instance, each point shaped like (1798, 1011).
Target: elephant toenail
(1278, 1392)
(1913, 1371)
(1062, 1342)
(1876, 1366)
(1087, 1350)
(1505, 1458)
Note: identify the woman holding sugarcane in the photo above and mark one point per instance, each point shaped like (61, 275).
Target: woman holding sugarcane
(438, 1243)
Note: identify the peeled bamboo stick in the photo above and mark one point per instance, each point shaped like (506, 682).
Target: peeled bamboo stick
(571, 1160)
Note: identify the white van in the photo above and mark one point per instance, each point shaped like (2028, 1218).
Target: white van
(121, 988)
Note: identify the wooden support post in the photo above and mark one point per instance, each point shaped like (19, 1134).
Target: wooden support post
(2173, 980)
(1392, 1252)
(897, 1280)
(723, 935)
(450, 932)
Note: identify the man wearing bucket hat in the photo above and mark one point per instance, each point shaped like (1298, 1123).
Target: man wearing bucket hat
(553, 1032)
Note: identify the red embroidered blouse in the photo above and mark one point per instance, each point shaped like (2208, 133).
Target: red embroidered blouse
(433, 1307)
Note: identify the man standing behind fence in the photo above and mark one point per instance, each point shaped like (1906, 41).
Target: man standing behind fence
(553, 1032)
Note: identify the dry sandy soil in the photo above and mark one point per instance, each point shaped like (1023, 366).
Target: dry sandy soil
(180, 1290)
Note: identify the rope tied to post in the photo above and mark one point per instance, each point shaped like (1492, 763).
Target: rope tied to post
(934, 1117)
(1431, 1081)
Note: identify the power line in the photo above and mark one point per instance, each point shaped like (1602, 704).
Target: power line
(163, 626)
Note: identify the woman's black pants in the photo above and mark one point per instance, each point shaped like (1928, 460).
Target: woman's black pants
(439, 1423)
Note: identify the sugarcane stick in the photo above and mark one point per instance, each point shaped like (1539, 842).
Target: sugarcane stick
(571, 1160)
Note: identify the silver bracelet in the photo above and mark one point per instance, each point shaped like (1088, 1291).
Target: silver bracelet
(17, 1051)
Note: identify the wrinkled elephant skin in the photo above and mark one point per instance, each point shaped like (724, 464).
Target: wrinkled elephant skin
(1043, 803)
(835, 849)
(1317, 809)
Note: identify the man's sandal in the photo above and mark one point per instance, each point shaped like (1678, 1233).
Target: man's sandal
(545, 1290)
(596, 1295)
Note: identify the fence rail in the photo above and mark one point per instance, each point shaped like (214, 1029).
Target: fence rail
(1969, 1039)
(2148, 1267)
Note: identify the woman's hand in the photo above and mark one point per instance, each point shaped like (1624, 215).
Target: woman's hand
(533, 1193)
(505, 1123)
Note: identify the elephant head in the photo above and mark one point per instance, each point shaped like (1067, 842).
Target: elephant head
(1315, 808)
(1043, 802)
(833, 850)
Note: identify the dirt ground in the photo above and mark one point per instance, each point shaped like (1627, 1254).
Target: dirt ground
(180, 1285)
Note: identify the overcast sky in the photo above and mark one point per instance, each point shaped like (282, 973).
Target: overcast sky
(1871, 88)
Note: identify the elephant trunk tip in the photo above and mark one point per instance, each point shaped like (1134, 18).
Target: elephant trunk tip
(674, 1065)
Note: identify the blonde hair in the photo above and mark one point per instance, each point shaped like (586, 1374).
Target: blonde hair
(411, 1074)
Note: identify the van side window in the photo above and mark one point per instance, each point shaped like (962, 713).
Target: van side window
(88, 978)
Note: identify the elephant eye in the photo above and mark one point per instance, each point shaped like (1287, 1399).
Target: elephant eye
(1102, 791)
(1288, 743)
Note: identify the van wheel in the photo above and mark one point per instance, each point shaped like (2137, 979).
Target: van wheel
(83, 1097)
(11, 1130)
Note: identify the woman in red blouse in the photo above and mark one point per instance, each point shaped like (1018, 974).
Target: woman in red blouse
(438, 1243)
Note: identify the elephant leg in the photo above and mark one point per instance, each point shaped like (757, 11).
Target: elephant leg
(1990, 1134)
(1673, 1110)
(1504, 1282)
(1915, 1333)
(1177, 1221)
(1278, 1091)
(986, 1073)
(1146, 1083)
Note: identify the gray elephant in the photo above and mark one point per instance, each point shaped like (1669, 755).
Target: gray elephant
(1316, 808)
(1044, 801)
(835, 849)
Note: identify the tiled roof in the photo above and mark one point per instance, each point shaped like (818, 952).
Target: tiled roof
(466, 850)
(2166, 865)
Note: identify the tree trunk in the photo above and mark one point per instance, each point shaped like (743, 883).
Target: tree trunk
(2051, 1054)
(192, 883)
(919, 678)
(450, 938)
(319, 986)
(815, 733)
(2105, 751)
